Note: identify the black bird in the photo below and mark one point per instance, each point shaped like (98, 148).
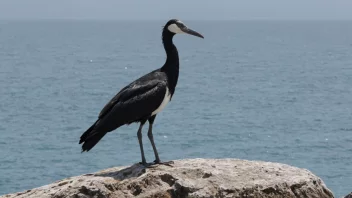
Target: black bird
(142, 99)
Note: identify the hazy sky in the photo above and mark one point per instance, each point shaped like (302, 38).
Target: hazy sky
(183, 9)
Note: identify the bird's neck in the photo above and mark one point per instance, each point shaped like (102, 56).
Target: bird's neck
(171, 66)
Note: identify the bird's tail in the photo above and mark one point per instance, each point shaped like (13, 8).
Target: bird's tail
(90, 138)
(86, 134)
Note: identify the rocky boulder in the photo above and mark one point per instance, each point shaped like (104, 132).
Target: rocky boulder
(189, 178)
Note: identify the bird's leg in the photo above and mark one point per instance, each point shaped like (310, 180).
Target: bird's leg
(139, 135)
(151, 138)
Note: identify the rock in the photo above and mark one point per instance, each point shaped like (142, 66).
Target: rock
(189, 178)
(349, 195)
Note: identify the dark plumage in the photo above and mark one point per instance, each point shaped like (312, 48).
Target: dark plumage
(142, 99)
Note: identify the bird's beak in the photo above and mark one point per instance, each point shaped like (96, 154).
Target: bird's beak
(191, 32)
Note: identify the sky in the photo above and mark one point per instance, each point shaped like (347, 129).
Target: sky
(185, 9)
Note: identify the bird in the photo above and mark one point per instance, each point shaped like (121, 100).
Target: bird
(142, 100)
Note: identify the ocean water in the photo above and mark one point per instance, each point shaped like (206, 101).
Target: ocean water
(276, 91)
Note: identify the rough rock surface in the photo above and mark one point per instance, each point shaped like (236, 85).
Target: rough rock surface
(349, 195)
(189, 178)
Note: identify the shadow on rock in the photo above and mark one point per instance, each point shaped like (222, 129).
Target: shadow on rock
(135, 170)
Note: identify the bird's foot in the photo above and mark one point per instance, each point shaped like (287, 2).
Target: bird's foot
(156, 163)
(168, 163)
(145, 164)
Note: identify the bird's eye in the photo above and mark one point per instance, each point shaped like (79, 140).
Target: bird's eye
(181, 25)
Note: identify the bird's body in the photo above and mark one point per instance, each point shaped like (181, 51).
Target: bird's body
(142, 99)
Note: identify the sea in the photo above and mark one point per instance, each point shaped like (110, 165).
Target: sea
(278, 91)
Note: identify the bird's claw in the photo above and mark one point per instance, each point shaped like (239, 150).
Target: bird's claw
(145, 164)
(156, 163)
(168, 163)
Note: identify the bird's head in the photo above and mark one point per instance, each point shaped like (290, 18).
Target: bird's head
(176, 26)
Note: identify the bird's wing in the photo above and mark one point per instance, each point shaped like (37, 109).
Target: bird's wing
(136, 100)
(111, 103)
